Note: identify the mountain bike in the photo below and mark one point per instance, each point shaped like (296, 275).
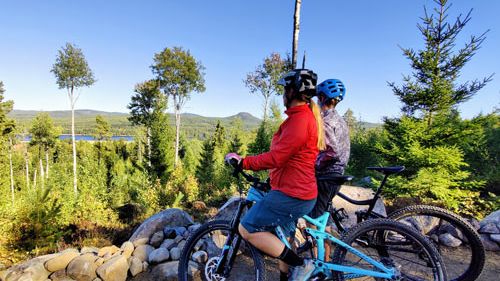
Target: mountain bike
(379, 249)
(463, 263)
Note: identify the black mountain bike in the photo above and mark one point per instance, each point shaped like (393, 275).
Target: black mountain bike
(463, 263)
(379, 249)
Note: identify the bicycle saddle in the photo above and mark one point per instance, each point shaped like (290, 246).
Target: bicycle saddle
(335, 178)
(388, 170)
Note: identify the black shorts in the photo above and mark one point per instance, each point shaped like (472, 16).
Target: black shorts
(326, 191)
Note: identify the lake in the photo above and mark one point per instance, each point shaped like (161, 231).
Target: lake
(86, 138)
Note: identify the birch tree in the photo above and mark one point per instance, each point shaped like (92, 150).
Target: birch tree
(72, 72)
(179, 74)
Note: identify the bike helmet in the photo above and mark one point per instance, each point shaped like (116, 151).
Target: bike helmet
(303, 81)
(331, 89)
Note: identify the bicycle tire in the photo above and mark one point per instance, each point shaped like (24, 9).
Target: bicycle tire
(476, 247)
(383, 236)
(185, 271)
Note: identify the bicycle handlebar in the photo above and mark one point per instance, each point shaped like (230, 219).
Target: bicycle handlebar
(255, 181)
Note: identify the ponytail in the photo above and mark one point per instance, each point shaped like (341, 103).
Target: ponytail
(319, 123)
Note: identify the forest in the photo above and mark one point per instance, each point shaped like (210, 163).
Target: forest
(55, 193)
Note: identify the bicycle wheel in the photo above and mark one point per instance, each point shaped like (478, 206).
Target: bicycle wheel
(464, 256)
(393, 244)
(202, 251)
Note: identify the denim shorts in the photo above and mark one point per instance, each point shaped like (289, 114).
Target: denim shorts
(276, 209)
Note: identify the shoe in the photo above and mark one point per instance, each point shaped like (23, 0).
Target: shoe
(302, 273)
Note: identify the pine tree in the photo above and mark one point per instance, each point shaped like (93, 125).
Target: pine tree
(205, 172)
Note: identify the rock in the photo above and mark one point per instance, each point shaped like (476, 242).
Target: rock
(168, 244)
(60, 275)
(169, 217)
(186, 235)
(82, 268)
(180, 230)
(62, 260)
(200, 257)
(226, 212)
(140, 241)
(156, 239)
(490, 228)
(169, 232)
(100, 261)
(194, 227)
(108, 250)
(175, 253)
(127, 249)
(92, 250)
(135, 266)
(475, 223)
(158, 256)
(488, 244)
(33, 269)
(114, 270)
(181, 244)
(493, 217)
(198, 245)
(97, 279)
(142, 252)
(356, 193)
(178, 239)
(495, 237)
(145, 266)
(449, 240)
(165, 271)
(448, 228)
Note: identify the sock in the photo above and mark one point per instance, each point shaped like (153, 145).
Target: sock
(290, 257)
(283, 276)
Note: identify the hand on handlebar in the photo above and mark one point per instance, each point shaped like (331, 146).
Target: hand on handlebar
(233, 159)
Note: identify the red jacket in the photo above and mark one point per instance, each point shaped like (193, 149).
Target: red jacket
(292, 156)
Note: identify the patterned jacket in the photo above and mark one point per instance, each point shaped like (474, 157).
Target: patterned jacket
(338, 145)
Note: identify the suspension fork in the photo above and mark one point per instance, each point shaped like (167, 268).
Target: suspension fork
(223, 267)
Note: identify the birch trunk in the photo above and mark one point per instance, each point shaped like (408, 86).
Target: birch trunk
(148, 139)
(11, 171)
(177, 130)
(296, 28)
(42, 176)
(47, 164)
(27, 169)
(73, 142)
(34, 178)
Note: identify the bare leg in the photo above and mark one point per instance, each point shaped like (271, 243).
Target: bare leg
(264, 241)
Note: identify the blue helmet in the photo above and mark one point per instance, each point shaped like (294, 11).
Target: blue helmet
(331, 89)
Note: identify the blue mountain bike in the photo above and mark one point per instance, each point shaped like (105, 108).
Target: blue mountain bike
(378, 249)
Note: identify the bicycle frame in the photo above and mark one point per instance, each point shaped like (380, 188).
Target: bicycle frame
(321, 266)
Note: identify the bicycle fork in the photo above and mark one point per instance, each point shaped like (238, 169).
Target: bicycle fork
(230, 248)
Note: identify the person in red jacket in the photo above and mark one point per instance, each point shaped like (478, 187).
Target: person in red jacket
(291, 161)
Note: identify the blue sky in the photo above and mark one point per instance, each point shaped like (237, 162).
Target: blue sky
(355, 41)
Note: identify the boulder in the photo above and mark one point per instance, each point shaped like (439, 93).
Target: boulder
(108, 250)
(169, 232)
(135, 266)
(127, 249)
(194, 227)
(168, 244)
(114, 270)
(140, 241)
(158, 256)
(165, 271)
(142, 252)
(449, 240)
(62, 260)
(356, 193)
(82, 268)
(33, 269)
(60, 275)
(493, 217)
(475, 223)
(175, 253)
(200, 257)
(227, 211)
(490, 228)
(92, 250)
(169, 217)
(156, 239)
(495, 237)
(488, 244)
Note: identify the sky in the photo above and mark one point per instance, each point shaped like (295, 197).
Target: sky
(356, 41)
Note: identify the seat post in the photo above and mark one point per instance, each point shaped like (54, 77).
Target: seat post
(377, 195)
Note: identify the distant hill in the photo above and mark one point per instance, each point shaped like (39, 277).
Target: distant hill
(192, 124)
